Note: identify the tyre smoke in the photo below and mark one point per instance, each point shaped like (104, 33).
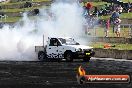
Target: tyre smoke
(62, 19)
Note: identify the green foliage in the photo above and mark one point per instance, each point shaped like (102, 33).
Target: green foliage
(127, 1)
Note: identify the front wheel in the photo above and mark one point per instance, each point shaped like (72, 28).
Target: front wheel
(41, 56)
(86, 59)
(69, 57)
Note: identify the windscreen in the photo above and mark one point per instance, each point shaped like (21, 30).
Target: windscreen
(68, 41)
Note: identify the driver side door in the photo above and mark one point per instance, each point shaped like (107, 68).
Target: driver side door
(52, 49)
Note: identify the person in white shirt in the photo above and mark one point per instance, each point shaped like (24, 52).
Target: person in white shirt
(117, 26)
(120, 9)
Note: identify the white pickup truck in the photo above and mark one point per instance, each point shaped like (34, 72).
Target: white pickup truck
(63, 48)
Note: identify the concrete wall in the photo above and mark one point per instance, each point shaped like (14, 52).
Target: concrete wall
(113, 53)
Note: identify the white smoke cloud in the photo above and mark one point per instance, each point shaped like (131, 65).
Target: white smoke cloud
(17, 43)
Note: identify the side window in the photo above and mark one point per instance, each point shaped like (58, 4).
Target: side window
(54, 42)
(51, 42)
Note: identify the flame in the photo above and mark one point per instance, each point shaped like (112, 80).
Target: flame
(81, 71)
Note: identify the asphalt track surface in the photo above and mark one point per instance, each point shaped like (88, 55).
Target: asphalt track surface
(35, 74)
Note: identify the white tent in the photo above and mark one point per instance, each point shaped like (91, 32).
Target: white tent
(2, 0)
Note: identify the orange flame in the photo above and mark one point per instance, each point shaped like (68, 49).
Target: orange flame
(81, 71)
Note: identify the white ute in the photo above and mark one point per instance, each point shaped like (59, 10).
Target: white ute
(63, 48)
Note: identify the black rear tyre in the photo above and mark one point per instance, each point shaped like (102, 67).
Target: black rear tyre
(41, 56)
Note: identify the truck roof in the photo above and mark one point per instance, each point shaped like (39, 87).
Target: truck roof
(60, 37)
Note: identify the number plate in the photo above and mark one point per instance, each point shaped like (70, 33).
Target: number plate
(87, 53)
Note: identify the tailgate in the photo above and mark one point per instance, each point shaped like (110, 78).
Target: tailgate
(39, 48)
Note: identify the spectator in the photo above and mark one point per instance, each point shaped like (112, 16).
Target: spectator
(117, 27)
(106, 27)
(115, 14)
(113, 17)
(96, 11)
(27, 5)
(120, 9)
(85, 13)
(88, 7)
(128, 7)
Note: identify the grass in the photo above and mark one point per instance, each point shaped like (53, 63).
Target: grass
(17, 3)
(99, 3)
(15, 19)
(127, 0)
(117, 45)
(10, 19)
(122, 16)
(126, 15)
(23, 9)
(40, 0)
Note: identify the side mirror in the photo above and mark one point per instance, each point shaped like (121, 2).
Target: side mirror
(58, 44)
(77, 44)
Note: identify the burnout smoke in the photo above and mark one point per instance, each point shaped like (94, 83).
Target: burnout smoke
(61, 19)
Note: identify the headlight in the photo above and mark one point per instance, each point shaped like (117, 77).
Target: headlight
(79, 49)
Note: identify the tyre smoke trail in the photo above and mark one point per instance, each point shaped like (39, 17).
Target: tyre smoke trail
(61, 19)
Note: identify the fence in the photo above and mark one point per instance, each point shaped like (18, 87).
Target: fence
(98, 31)
(113, 53)
(127, 26)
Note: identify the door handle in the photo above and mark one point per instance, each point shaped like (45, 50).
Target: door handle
(49, 48)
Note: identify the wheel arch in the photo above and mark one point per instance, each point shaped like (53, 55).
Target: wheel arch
(67, 51)
(40, 52)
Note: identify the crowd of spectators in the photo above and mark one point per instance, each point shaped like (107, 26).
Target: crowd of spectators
(106, 9)
(91, 12)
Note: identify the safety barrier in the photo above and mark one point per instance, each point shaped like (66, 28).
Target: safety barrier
(113, 53)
